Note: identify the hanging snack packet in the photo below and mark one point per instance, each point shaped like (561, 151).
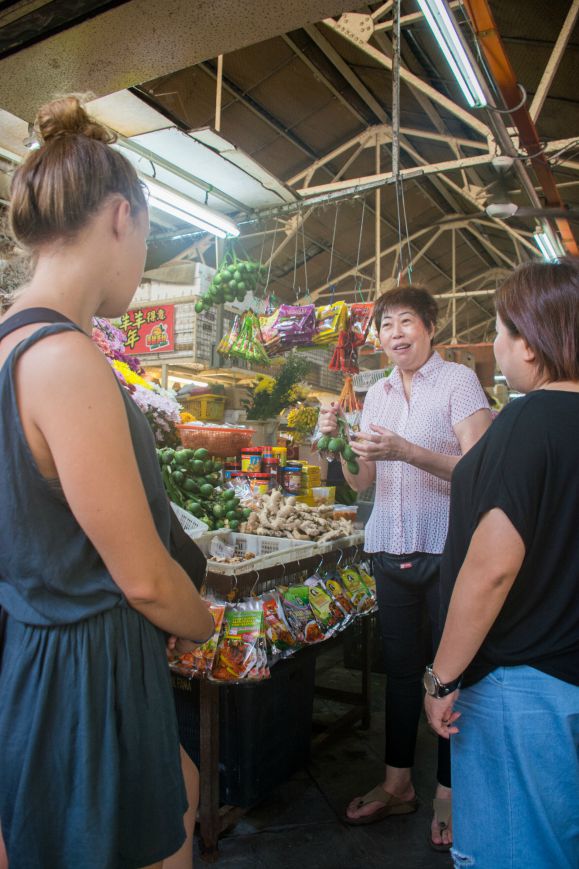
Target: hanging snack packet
(296, 606)
(227, 342)
(269, 333)
(335, 588)
(296, 325)
(356, 590)
(277, 630)
(241, 653)
(352, 337)
(330, 321)
(248, 345)
(199, 662)
(327, 612)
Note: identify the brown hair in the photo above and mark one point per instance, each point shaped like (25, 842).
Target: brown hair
(63, 183)
(407, 296)
(540, 303)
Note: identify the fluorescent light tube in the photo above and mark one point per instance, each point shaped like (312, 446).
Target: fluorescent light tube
(447, 34)
(548, 250)
(188, 210)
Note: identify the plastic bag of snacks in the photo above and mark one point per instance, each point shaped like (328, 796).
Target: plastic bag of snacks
(242, 651)
(353, 336)
(279, 636)
(227, 342)
(248, 345)
(296, 606)
(289, 326)
(336, 589)
(330, 321)
(327, 611)
(356, 589)
(200, 661)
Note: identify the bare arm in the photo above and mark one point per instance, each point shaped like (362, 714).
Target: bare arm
(493, 560)
(75, 421)
(383, 445)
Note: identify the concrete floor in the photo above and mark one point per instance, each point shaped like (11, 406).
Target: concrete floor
(299, 826)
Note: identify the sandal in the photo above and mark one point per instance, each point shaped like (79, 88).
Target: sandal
(443, 813)
(391, 805)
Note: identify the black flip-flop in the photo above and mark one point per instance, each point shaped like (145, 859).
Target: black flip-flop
(391, 805)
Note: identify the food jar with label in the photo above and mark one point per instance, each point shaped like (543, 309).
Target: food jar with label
(259, 483)
(251, 459)
(292, 479)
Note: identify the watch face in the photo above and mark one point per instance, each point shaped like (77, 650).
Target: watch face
(429, 683)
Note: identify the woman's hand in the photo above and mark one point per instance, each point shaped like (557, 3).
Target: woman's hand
(328, 420)
(381, 445)
(177, 646)
(440, 715)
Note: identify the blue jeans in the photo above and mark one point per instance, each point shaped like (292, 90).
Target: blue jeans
(515, 773)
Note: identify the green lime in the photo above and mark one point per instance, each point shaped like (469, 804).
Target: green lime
(206, 490)
(233, 524)
(246, 512)
(336, 445)
(201, 454)
(229, 493)
(349, 454)
(353, 467)
(218, 511)
(199, 307)
(323, 442)
(197, 467)
(189, 485)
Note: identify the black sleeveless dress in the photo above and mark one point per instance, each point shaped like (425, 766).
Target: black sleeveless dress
(90, 773)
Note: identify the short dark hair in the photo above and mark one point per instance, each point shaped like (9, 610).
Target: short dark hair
(539, 302)
(418, 298)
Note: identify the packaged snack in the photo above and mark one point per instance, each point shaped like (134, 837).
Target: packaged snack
(330, 321)
(327, 612)
(277, 630)
(248, 343)
(296, 606)
(227, 342)
(335, 588)
(200, 661)
(242, 652)
(356, 590)
(352, 337)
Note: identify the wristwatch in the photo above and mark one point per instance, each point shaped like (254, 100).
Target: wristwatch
(436, 688)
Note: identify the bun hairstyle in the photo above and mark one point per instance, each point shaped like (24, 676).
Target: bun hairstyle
(62, 184)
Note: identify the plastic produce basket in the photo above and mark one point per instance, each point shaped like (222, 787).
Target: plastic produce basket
(267, 551)
(208, 408)
(193, 526)
(365, 379)
(219, 441)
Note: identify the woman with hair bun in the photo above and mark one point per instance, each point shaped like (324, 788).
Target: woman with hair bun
(90, 769)
(510, 585)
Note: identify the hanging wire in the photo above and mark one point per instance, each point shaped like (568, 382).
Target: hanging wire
(294, 287)
(333, 243)
(357, 282)
(305, 256)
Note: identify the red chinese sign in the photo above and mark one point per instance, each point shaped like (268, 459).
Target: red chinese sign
(149, 330)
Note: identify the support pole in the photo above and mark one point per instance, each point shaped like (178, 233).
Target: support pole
(218, 92)
(453, 242)
(377, 237)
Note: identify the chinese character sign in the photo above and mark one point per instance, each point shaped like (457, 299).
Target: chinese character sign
(149, 330)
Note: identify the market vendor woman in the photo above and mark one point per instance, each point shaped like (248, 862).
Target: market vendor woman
(416, 425)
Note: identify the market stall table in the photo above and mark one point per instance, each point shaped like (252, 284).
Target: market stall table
(240, 583)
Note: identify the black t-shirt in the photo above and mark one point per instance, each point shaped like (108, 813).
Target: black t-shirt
(527, 464)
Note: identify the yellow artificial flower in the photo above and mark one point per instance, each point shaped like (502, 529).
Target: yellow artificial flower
(187, 417)
(266, 384)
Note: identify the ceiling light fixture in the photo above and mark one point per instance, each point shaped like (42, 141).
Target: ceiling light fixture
(546, 246)
(186, 209)
(457, 53)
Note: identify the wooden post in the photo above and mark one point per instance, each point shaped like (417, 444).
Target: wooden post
(218, 93)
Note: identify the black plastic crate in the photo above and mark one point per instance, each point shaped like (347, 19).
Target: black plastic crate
(264, 729)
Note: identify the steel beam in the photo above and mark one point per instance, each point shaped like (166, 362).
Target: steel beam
(554, 61)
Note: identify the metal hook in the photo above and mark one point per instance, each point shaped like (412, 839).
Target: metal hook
(252, 592)
(340, 556)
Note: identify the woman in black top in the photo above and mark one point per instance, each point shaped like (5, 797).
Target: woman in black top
(509, 579)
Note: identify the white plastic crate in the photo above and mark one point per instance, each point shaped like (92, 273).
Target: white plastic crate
(365, 379)
(193, 526)
(267, 550)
